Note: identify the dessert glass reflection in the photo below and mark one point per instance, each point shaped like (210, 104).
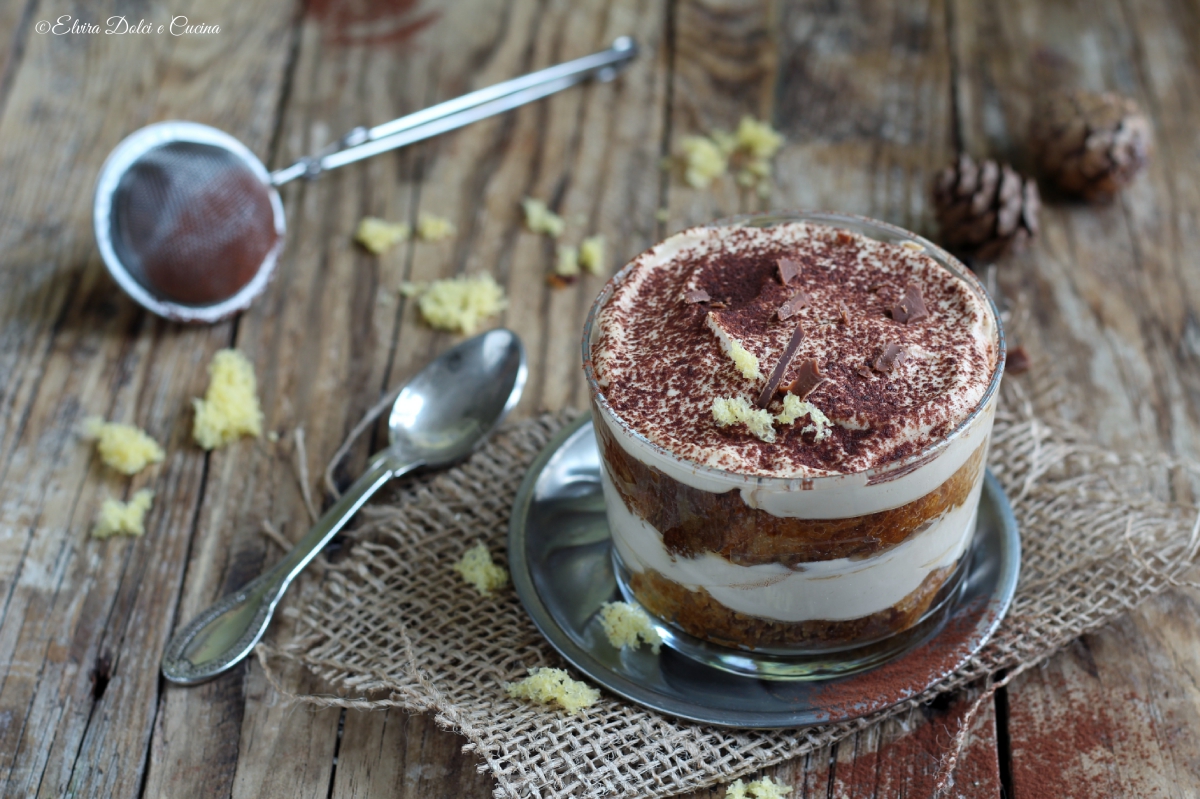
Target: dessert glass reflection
(793, 413)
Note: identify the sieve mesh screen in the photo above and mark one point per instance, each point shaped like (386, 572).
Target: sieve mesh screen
(192, 222)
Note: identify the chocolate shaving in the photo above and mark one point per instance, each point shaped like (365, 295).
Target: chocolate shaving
(716, 304)
(1018, 361)
(777, 373)
(793, 305)
(893, 355)
(807, 379)
(864, 371)
(911, 306)
(696, 295)
(788, 270)
(845, 309)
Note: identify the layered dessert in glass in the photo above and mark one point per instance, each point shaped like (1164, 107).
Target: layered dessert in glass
(793, 414)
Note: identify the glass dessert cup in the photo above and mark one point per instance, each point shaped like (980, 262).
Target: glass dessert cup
(795, 577)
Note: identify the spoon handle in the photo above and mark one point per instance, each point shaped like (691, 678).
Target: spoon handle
(223, 635)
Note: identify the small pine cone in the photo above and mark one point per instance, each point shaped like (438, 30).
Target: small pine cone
(1091, 144)
(985, 210)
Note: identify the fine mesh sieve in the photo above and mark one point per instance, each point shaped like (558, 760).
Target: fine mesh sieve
(189, 221)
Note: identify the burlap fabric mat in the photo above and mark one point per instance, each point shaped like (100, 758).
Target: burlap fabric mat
(392, 625)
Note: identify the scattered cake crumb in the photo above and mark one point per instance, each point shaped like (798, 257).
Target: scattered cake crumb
(553, 686)
(794, 408)
(379, 235)
(703, 161)
(737, 410)
(567, 264)
(459, 304)
(540, 219)
(434, 228)
(478, 569)
(748, 151)
(745, 361)
(627, 625)
(123, 518)
(591, 254)
(230, 407)
(122, 446)
(765, 788)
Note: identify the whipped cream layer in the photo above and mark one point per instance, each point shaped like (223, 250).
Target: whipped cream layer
(832, 590)
(660, 365)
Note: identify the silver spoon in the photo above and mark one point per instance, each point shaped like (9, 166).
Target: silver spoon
(441, 415)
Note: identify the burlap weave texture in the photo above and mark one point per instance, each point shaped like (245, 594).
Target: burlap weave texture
(392, 625)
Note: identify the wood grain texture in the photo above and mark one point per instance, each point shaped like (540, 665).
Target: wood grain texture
(873, 96)
(1106, 301)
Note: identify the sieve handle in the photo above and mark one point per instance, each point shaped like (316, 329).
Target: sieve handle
(362, 143)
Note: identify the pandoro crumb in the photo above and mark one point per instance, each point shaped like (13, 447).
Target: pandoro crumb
(230, 406)
(765, 788)
(458, 304)
(122, 446)
(554, 686)
(794, 408)
(703, 161)
(478, 569)
(745, 361)
(434, 228)
(627, 625)
(379, 235)
(123, 518)
(738, 410)
(591, 255)
(567, 264)
(540, 219)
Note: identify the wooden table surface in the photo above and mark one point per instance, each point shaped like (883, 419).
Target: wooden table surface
(873, 96)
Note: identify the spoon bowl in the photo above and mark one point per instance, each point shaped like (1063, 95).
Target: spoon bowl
(447, 410)
(440, 426)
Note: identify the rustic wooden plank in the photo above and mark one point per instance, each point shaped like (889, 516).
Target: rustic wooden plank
(83, 621)
(1106, 300)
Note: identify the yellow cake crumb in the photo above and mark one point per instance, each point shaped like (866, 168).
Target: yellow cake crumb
(122, 446)
(758, 139)
(591, 254)
(546, 686)
(766, 788)
(123, 518)
(567, 264)
(703, 161)
(627, 625)
(735, 410)
(478, 569)
(459, 304)
(745, 361)
(379, 235)
(794, 408)
(540, 219)
(434, 228)
(230, 407)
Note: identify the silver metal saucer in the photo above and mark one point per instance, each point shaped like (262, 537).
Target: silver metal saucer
(559, 556)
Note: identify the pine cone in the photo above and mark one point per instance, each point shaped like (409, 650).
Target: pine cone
(985, 210)
(1091, 144)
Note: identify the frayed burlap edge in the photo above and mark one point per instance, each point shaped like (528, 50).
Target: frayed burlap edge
(393, 626)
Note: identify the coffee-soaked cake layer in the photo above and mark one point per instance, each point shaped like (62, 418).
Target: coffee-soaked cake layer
(699, 615)
(693, 522)
(661, 358)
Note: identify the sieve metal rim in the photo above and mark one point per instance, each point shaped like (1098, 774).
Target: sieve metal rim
(133, 147)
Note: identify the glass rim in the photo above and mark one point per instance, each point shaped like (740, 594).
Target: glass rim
(858, 224)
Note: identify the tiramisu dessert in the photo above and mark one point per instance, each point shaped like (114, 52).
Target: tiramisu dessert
(793, 416)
